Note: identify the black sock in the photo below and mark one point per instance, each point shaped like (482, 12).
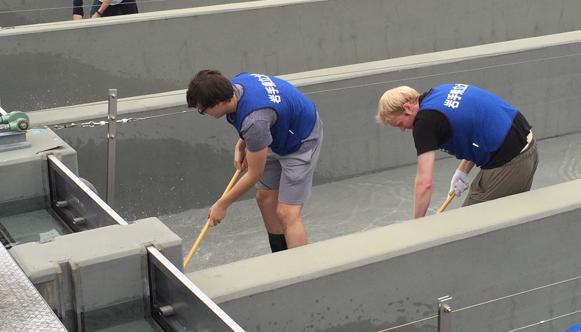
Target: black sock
(277, 242)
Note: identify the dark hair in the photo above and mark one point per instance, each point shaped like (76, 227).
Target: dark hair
(209, 88)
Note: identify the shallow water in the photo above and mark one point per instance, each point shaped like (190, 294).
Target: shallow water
(352, 205)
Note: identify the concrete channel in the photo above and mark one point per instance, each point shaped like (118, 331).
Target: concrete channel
(70, 63)
(194, 153)
(509, 264)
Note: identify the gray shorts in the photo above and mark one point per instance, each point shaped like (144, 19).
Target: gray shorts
(291, 175)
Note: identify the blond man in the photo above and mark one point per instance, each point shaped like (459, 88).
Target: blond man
(471, 124)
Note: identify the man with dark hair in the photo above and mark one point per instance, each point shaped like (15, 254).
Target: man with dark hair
(280, 138)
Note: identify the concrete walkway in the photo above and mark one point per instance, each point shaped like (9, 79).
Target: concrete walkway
(352, 205)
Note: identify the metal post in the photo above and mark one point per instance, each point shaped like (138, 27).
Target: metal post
(111, 146)
(444, 314)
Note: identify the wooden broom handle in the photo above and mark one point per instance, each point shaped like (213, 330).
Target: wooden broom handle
(447, 202)
(207, 225)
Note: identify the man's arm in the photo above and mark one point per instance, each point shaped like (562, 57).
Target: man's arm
(465, 166)
(240, 155)
(251, 152)
(104, 5)
(423, 184)
(256, 162)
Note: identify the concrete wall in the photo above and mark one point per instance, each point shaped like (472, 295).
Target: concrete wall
(95, 278)
(24, 173)
(392, 275)
(70, 63)
(22, 12)
(193, 154)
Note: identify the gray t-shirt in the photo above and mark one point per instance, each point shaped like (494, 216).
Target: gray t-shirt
(256, 128)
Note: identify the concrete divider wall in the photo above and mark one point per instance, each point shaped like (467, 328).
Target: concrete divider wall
(24, 178)
(181, 161)
(70, 63)
(394, 274)
(22, 12)
(98, 274)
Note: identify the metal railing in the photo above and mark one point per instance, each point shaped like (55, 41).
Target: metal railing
(79, 207)
(177, 304)
(446, 322)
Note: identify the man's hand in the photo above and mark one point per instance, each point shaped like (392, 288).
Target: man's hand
(459, 183)
(104, 5)
(216, 214)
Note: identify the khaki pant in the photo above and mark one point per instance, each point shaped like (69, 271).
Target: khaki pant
(514, 177)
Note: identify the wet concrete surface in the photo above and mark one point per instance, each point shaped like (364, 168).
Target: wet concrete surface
(34, 226)
(352, 205)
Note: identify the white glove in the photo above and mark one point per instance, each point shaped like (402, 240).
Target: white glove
(459, 183)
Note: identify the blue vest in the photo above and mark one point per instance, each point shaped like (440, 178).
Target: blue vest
(480, 120)
(296, 114)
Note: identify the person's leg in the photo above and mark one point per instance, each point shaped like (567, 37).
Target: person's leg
(78, 10)
(294, 190)
(475, 192)
(292, 224)
(282, 221)
(132, 8)
(513, 178)
(267, 200)
(531, 166)
(127, 7)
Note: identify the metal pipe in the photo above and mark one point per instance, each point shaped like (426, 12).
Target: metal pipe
(444, 314)
(111, 146)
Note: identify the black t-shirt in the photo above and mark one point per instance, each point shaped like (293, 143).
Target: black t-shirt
(432, 129)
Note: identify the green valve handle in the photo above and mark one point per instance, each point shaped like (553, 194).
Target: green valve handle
(15, 121)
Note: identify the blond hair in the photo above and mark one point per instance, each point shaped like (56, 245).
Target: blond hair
(391, 103)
